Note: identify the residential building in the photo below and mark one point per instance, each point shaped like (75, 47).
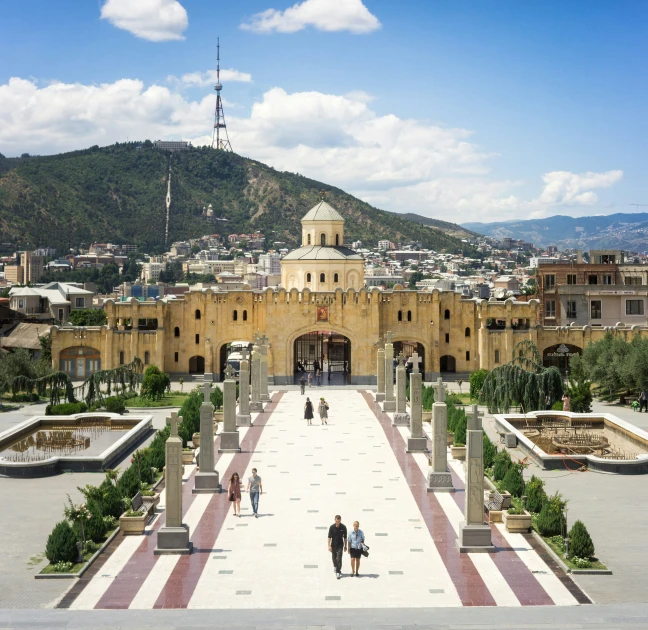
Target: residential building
(270, 263)
(15, 274)
(385, 245)
(53, 302)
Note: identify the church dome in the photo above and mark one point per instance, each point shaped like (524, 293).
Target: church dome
(322, 211)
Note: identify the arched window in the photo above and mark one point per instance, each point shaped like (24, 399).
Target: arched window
(322, 278)
(467, 355)
(336, 278)
(308, 277)
(400, 316)
(409, 316)
(121, 357)
(337, 240)
(235, 315)
(244, 316)
(176, 331)
(446, 315)
(497, 356)
(146, 357)
(197, 313)
(309, 239)
(467, 332)
(323, 239)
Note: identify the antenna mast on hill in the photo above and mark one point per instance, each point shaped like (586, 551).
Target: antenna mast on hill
(219, 115)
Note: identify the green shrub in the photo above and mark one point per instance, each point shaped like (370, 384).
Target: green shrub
(477, 379)
(460, 429)
(550, 520)
(66, 409)
(95, 528)
(115, 404)
(501, 463)
(112, 504)
(157, 448)
(154, 383)
(580, 542)
(129, 483)
(61, 544)
(490, 450)
(536, 495)
(216, 397)
(513, 481)
(557, 406)
(581, 563)
(427, 397)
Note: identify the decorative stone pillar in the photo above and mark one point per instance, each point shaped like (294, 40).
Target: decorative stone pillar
(417, 440)
(389, 404)
(173, 537)
(243, 417)
(209, 361)
(263, 347)
(474, 534)
(439, 479)
(474, 417)
(256, 404)
(380, 375)
(401, 416)
(229, 437)
(207, 479)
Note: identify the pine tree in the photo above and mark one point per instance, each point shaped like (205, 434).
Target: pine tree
(61, 544)
(501, 464)
(580, 545)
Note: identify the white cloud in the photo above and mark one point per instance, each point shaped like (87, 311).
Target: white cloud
(202, 79)
(324, 15)
(155, 20)
(403, 165)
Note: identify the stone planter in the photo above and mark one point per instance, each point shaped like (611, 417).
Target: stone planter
(458, 452)
(427, 416)
(154, 500)
(506, 503)
(187, 457)
(450, 438)
(517, 523)
(195, 438)
(132, 525)
(218, 416)
(495, 516)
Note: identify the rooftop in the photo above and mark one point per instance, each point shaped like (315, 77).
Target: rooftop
(322, 211)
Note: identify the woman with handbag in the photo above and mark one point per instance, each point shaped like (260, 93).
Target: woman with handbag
(308, 410)
(234, 494)
(356, 548)
(322, 409)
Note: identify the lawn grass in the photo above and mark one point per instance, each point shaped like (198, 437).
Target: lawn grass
(559, 549)
(172, 400)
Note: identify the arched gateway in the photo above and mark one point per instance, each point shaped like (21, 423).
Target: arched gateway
(319, 350)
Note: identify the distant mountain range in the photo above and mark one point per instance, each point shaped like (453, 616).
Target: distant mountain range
(614, 231)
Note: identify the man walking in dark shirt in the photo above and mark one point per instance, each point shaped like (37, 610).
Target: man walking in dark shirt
(337, 544)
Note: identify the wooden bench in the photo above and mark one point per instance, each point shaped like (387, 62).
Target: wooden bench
(139, 505)
(496, 505)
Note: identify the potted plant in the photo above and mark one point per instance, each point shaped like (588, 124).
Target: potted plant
(131, 522)
(427, 416)
(150, 496)
(195, 439)
(458, 451)
(516, 520)
(450, 438)
(187, 456)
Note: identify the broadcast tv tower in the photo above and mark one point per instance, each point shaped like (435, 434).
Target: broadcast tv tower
(219, 142)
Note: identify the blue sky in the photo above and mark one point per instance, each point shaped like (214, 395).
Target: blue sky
(464, 111)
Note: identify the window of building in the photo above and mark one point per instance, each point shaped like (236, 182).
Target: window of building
(323, 240)
(550, 308)
(175, 357)
(79, 302)
(571, 278)
(197, 313)
(633, 280)
(497, 356)
(592, 279)
(176, 331)
(571, 309)
(607, 278)
(400, 316)
(121, 357)
(322, 277)
(309, 239)
(336, 277)
(337, 240)
(634, 307)
(467, 355)
(21, 303)
(244, 316)
(308, 277)
(446, 314)
(550, 281)
(595, 309)
(409, 316)
(147, 356)
(447, 337)
(235, 315)
(197, 338)
(467, 333)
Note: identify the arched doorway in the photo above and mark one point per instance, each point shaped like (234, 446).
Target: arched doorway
(197, 365)
(231, 353)
(558, 356)
(323, 349)
(408, 348)
(448, 363)
(78, 362)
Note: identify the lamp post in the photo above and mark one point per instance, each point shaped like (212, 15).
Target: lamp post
(566, 539)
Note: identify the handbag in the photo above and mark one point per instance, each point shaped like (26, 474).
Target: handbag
(365, 550)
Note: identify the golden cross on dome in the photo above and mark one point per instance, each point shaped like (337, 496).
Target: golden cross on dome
(322, 194)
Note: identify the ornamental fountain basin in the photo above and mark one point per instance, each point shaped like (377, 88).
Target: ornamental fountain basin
(84, 442)
(562, 439)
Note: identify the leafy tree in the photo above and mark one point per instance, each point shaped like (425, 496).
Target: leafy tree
(477, 379)
(154, 383)
(417, 276)
(579, 389)
(88, 317)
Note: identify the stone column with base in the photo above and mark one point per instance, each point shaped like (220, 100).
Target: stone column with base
(417, 441)
(389, 404)
(380, 373)
(255, 403)
(401, 417)
(173, 537)
(243, 417)
(229, 437)
(439, 479)
(474, 417)
(474, 534)
(263, 348)
(207, 479)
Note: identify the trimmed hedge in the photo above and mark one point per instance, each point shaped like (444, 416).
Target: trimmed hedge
(66, 409)
(61, 544)
(115, 404)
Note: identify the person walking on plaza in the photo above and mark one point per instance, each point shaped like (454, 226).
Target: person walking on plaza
(302, 384)
(318, 377)
(310, 379)
(322, 409)
(643, 401)
(308, 410)
(255, 488)
(337, 544)
(234, 494)
(566, 401)
(356, 546)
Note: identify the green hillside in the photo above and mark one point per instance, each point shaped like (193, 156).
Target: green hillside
(117, 194)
